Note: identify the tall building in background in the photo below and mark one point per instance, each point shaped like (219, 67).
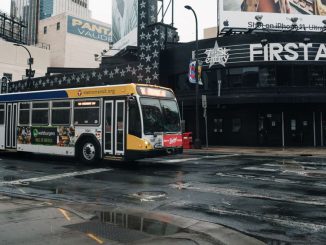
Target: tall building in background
(49, 8)
(27, 11)
(31, 11)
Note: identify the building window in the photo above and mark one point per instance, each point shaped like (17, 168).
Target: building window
(45, 30)
(58, 26)
(236, 125)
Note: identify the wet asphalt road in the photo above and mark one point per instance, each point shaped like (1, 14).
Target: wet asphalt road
(278, 200)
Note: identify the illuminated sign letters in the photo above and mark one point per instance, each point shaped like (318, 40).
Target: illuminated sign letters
(287, 52)
(89, 29)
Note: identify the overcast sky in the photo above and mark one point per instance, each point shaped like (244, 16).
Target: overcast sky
(184, 19)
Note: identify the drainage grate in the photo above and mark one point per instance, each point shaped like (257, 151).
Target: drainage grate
(109, 231)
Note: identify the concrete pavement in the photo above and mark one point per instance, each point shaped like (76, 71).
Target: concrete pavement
(28, 221)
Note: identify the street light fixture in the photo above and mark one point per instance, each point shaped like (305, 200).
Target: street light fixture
(197, 143)
(29, 72)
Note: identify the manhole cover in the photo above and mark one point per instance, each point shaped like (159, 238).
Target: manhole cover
(150, 195)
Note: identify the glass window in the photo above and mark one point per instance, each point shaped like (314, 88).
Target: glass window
(2, 113)
(267, 77)
(87, 112)
(317, 76)
(40, 113)
(160, 115)
(234, 77)
(61, 113)
(45, 30)
(24, 109)
(236, 125)
(134, 119)
(171, 116)
(250, 76)
(58, 26)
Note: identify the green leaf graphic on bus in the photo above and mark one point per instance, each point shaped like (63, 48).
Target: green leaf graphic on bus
(35, 132)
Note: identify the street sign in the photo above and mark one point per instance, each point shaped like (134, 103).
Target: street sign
(204, 101)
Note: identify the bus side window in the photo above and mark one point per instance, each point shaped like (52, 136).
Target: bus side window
(61, 111)
(24, 114)
(40, 113)
(134, 120)
(2, 113)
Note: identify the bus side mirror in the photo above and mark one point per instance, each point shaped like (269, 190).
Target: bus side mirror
(131, 100)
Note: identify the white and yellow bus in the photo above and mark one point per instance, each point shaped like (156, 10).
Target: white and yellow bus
(118, 122)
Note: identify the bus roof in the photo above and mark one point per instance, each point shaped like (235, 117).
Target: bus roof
(75, 93)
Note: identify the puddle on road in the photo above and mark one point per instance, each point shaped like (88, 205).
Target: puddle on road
(138, 223)
(125, 227)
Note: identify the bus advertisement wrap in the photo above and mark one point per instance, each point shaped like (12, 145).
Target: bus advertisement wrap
(308, 15)
(44, 135)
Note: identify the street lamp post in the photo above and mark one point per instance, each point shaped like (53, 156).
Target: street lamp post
(197, 143)
(30, 61)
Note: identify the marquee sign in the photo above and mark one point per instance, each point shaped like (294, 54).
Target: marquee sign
(88, 29)
(258, 52)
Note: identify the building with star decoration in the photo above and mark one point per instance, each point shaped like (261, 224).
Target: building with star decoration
(263, 88)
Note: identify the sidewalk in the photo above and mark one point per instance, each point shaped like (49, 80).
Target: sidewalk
(261, 151)
(32, 221)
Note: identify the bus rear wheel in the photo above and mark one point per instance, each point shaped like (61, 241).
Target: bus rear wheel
(88, 151)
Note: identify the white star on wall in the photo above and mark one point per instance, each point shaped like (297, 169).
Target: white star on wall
(142, 4)
(111, 74)
(148, 69)
(156, 31)
(116, 70)
(148, 58)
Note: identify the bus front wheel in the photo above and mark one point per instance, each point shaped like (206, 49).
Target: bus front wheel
(88, 151)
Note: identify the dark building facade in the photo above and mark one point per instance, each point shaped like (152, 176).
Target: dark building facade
(266, 89)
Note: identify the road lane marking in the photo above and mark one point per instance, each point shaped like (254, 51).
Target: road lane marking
(98, 240)
(261, 169)
(55, 176)
(181, 160)
(64, 213)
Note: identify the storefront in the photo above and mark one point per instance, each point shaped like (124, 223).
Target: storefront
(265, 89)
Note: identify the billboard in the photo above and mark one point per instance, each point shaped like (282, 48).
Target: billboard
(89, 29)
(124, 23)
(276, 14)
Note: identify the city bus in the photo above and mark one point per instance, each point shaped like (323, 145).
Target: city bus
(116, 122)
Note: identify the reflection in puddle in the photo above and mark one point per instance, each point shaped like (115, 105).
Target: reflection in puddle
(139, 223)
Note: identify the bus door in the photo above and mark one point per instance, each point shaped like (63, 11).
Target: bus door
(114, 127)
(11, 125)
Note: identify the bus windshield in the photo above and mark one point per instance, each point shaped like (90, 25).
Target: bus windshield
(160, 115)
